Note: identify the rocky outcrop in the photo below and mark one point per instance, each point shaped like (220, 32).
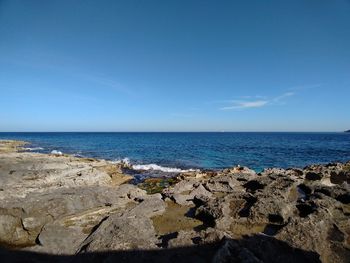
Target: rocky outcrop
(130, 229)
(305, 209)
(9, 146)
(85, 208)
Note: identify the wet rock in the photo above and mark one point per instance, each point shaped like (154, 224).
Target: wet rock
(174, 219)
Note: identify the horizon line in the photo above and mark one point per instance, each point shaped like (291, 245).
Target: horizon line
(223, 131)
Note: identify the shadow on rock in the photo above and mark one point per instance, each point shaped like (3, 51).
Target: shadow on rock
(256, 248)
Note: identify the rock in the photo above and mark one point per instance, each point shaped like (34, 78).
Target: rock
(319, 217)
(175, 218)
(12, 233)
(313, 176)
(120, 233)
(223, 183)
(70, 206)
(58, 239)
(258, 248)
(183, 238)
(187, 198)
(340, 177)
(130, 191)
(182, 199)
(156, 185)
(9, 146)
(239, 170)
(130, 230)
(150, 205)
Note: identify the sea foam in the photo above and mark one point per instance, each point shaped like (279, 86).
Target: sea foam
(124, 160)
(33, 149)
(156, 167)
(151, 167)
(56, 152)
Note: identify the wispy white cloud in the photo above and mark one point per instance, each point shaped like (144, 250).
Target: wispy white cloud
(247, 104)
(280, 98)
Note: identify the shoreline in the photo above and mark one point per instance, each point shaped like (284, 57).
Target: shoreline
(137, 167)
(199, 151)
(66, 205)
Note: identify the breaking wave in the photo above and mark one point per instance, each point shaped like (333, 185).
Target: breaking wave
(56, 152)
(33, 149)
(151, 167)
(156, 167)
(124, 160)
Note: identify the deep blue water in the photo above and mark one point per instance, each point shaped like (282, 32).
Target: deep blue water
(199, 150)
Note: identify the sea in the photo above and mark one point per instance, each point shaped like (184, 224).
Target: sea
(179, 151)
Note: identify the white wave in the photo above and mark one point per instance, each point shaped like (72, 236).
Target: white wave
(56, 152)
(124, 160)
(156, 167)
(33, 149)
(150, 167)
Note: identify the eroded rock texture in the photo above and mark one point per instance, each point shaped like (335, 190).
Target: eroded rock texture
(61, 208)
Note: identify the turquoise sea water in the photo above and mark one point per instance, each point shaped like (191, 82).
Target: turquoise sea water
(197, 150)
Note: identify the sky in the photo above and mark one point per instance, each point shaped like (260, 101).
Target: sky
(186, 65)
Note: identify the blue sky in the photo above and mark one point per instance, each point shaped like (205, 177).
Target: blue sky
(175, 65)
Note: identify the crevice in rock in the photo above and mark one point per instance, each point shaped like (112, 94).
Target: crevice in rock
(245, 211)
(275, 218)
(313, 176)
(198, 201)
(335, 234)
(83, 247)
(98, 225)
(323, 191)
(37, 240)
(344, 198)
(166, 238)
(241, 179)
(273, 229)
(307, 190)
(207, 219)
(24, 228)
(253, 186)
(196, 240)
(305, 209)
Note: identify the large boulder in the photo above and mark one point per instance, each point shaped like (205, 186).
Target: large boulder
(130, 229)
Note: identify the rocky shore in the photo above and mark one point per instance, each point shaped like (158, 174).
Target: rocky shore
(59, 208)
